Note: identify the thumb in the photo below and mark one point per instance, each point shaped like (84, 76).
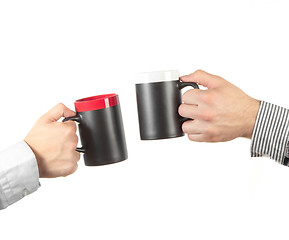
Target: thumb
(54, 114)
(203, 78)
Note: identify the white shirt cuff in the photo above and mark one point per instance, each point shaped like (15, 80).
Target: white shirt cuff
(19, 174)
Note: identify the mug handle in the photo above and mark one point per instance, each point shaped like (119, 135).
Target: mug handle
(182, 85)
(75, 118)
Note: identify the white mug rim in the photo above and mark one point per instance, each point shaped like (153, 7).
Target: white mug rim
(157, 76)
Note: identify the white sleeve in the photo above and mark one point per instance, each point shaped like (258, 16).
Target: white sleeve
(19, 174)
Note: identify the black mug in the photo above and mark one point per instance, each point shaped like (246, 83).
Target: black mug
(158, 99)
(101, 129)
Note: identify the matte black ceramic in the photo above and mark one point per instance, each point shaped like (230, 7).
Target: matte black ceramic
(158, 104)
(102, 136)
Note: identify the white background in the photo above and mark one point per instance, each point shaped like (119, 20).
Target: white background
(59, 51)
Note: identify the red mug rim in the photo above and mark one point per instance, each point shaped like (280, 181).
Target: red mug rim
(96, 102)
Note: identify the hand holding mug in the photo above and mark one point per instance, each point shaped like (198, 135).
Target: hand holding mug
(158, 98)
(220, 113)
(53, 143)
(101, 129)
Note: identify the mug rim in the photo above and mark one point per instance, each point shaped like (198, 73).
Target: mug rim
(157, 76)
(97, 97)
(96, 102)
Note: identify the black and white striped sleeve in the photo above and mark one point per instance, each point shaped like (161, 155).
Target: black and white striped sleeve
(270, 135)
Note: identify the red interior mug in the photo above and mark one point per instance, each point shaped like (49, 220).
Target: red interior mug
(101, 129)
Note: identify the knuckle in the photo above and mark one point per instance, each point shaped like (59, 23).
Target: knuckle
(60, 105)
(210, 134)
(71, 124)
(211, 138)
(181, 109)
(190, 137)
(212, 116)
(186, 126)
(77, 156)
(202, 115)
(187, 95)
(207, 98)
(184, 97)
(207, 116)
(198, 72)
(71, 152)
(72, 156)
(68, 131)
(72, 146)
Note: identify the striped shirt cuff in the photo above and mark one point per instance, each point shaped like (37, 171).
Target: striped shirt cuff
(270, 135)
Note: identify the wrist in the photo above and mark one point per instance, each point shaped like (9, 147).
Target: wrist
(36, 155)
(250, 118)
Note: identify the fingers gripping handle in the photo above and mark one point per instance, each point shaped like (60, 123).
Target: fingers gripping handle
(76, 119)
(188, 84)
(183, 85)
(80, 149)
